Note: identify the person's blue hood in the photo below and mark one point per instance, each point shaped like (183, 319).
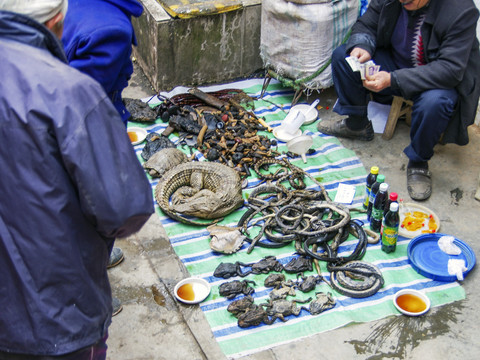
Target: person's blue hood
(98, 36)
(130, 7)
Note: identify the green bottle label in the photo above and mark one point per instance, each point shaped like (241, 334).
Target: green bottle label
(389, 235)
(377, 214)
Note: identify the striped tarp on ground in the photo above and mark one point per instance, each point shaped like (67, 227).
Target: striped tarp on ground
(331, 164)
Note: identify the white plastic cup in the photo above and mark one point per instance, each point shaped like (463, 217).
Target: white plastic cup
(292, 123)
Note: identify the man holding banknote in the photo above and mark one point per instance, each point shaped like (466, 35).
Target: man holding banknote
(422, 50)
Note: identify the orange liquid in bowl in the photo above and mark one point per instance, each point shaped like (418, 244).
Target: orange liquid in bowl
(411, 303)
(186, 292)
(133, 136)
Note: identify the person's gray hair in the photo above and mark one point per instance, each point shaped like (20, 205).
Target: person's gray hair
(40, 10)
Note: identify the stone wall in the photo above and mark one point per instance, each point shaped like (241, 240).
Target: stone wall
(199, 50)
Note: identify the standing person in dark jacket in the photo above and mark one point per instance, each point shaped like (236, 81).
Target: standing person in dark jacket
(98, 37)
(428, 53)
(70, 184)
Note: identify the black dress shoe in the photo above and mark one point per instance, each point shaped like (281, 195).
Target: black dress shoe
(116, 257)
(419, 183)
(116, 306)
(339, 128)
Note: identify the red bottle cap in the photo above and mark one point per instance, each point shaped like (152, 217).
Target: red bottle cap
(393, 196)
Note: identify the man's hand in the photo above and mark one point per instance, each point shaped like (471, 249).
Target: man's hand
(361, 54)
(377, 82)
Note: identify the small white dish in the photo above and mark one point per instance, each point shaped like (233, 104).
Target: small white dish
(281, 135)
(136, 134)
(411, 302)
(411, 208)
(192, 290)
(310, 117)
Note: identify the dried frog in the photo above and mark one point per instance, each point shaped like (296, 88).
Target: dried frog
(254, 316)
(228, 270)
(308, 283)
(299, 264)
(267, 264)
(321, 303)
(281, 308)
(236, 287)
(239, 306)
(286, 289)
(274, 280)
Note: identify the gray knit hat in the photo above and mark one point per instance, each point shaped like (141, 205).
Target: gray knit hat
(40, 10)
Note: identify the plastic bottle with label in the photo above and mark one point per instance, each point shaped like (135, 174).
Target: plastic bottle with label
(393, 197)
(377, 211)
(371, 178)
(373, 193)
(390, 229)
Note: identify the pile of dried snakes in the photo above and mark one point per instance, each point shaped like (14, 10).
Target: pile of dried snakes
(311, 220)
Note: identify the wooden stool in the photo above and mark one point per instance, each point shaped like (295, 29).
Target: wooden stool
(400, 107)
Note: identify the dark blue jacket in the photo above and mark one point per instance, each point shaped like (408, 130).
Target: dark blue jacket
(98, 37)
(70, 183)
(451, 50)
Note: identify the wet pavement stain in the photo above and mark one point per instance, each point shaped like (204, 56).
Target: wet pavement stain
(131, 294)
(158, 296)
(396, 337)
(456, 195)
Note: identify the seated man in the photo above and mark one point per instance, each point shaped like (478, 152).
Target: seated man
(70, 183)
(428, 53)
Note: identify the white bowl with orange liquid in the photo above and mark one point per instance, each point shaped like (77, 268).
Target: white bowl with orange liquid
(137, 135)
(411, 302)
(192, 290)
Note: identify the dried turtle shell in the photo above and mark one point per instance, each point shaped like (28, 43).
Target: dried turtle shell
(225, 239)
(162, 161)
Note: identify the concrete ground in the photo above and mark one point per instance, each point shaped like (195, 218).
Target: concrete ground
(153, 325)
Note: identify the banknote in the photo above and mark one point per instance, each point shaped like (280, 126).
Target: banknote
(369, 67)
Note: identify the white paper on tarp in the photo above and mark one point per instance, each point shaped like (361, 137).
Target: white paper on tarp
(345, 194)
(378, 115)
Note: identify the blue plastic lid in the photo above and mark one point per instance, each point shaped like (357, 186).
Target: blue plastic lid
(429, 260)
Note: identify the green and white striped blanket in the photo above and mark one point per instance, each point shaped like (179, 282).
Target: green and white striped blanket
(333, 165)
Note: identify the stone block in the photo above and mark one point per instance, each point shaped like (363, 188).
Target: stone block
(200, 50)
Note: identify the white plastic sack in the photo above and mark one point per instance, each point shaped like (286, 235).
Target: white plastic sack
(309, 1)
(299, 36)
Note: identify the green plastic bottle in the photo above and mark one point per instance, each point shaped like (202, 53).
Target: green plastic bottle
(390, 229)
